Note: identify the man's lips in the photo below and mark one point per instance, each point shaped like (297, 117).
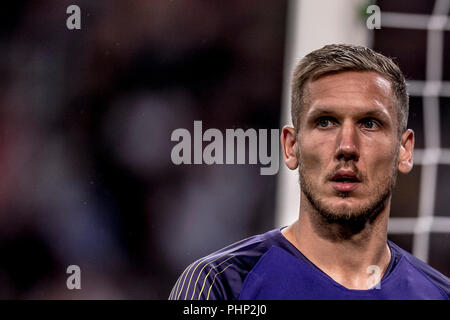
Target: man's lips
(345, 181)
(344, 186)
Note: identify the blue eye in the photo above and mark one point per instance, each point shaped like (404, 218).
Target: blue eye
(370, 124)
(324, 122)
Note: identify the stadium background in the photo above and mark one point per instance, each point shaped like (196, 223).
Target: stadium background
(86, 118)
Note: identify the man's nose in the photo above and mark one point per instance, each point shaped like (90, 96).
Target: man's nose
(347, 144)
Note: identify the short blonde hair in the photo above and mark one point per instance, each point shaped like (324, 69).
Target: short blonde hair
(342, 57)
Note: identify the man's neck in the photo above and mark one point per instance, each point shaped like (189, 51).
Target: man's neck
(345, 259)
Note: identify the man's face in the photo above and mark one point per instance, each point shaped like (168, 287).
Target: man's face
(348, 144)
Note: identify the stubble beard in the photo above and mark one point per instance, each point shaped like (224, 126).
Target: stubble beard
(353, 220)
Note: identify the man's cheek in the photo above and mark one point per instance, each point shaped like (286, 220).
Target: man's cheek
(310, 160)
(382, 170)
(384, 159)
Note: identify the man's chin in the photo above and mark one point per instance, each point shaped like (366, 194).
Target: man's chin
(349, 204)
(343, 211)
(348, 209)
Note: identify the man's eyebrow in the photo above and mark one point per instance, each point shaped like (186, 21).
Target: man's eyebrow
(332, 111)
(376, 114)
(319, 111)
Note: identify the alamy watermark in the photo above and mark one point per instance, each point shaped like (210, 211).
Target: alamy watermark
(74, 280)
(374, 20)
(73, 21)
(373, 282)
(222, 150)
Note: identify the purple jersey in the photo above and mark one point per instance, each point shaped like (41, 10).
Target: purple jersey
(268, 266)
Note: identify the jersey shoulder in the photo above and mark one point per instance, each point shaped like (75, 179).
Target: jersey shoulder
(220, 275)
(438, 279)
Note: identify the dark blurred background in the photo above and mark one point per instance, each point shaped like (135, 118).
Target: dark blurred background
(85, 123)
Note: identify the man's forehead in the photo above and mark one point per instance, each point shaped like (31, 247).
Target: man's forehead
(350, 89)
(350, 81)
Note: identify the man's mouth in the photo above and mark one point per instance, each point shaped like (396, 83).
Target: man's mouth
(345, 181)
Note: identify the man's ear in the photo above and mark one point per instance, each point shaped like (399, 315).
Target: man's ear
(289, 144)
(405, 157)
